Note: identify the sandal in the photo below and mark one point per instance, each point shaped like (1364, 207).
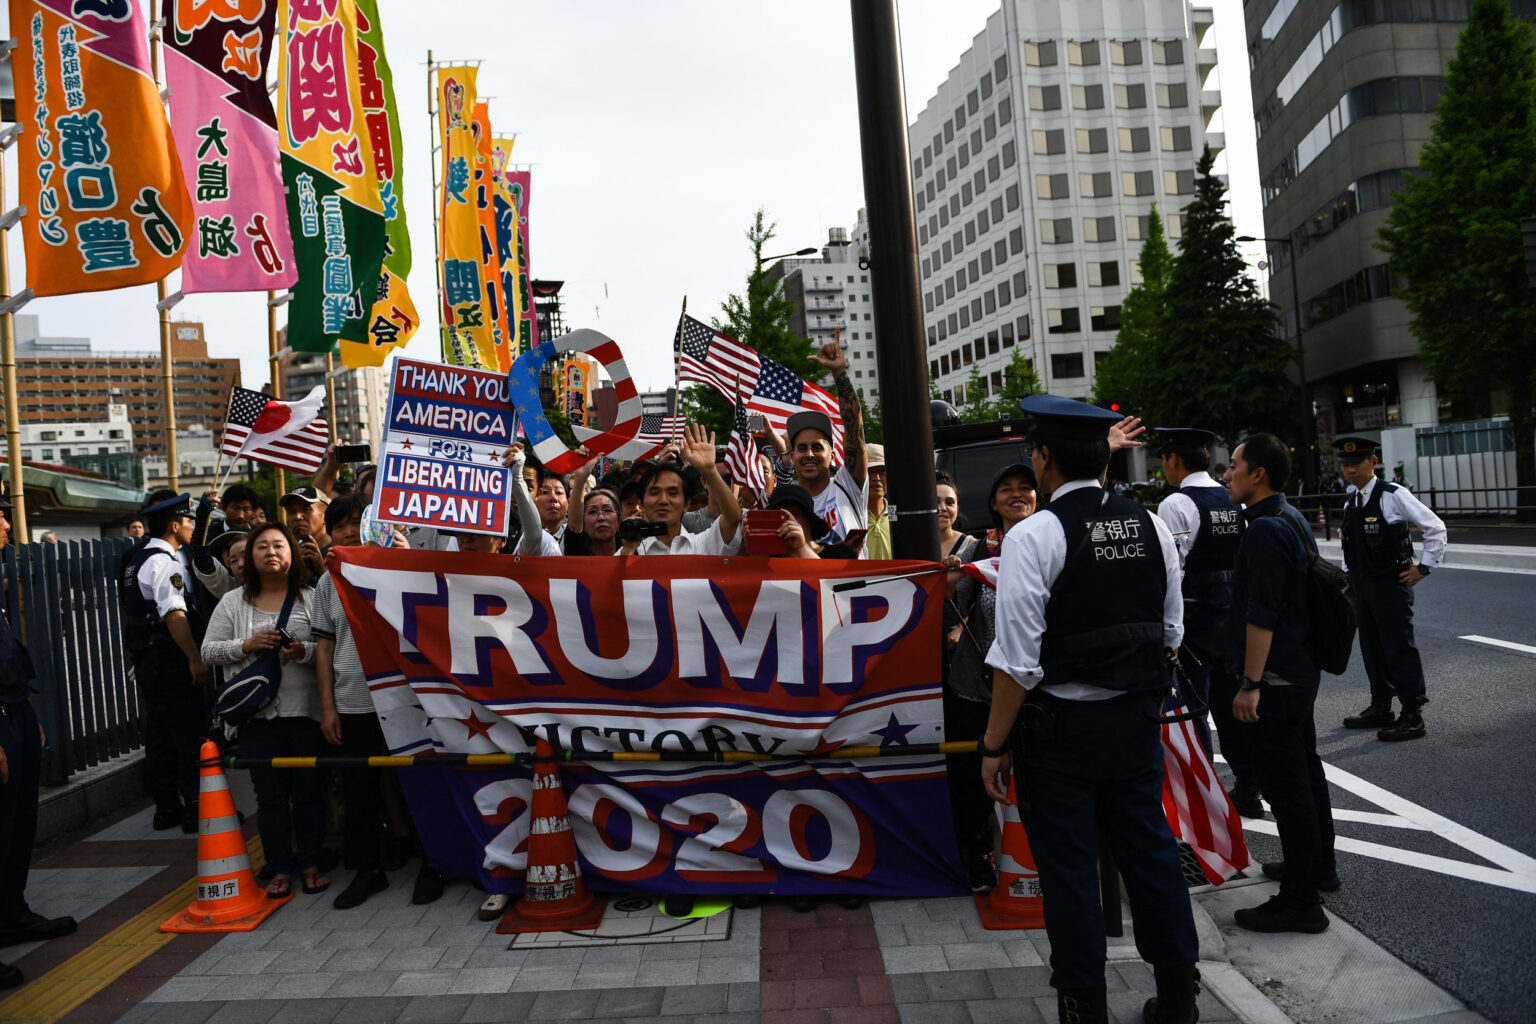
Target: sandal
(280, 888)
(494, 906)
(315, 882)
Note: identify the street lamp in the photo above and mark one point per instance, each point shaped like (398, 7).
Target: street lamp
(807, 251)
(1309, 471)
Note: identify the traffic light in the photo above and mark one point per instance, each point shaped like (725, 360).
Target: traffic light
(1110, 404)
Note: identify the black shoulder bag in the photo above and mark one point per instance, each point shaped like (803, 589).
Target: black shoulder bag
(255, 686)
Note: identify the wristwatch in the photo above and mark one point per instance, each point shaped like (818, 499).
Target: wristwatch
(1423, 569)
(986, 751)
(1249, 684)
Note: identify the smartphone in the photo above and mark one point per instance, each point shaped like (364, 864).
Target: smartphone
(757, 424)
(855, 538)
(354, 453)
(286, 636)
(762, 531)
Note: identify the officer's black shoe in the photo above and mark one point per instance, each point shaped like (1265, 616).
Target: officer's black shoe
(1174, 1003)
(429, 886)
(1328, 883)
(33, 927)
(167, 811)
(1409, 726)
(189, 820)
(979, 872)
(1245, 797)
(10, 977)
(1373, 717)
(1283, 915)
(1082, 1005)
(363, 885)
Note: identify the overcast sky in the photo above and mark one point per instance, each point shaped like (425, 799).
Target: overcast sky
(655, 130)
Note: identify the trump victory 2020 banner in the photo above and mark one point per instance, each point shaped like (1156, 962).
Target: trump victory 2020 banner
(467, 338)
(226, 134)
(106, 206)
(393, 319)
(682, 654)
(335, 213)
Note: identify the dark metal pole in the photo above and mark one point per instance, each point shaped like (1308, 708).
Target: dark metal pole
(900, 355)
(1308, 426)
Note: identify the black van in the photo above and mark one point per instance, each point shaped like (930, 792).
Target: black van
(972, 453)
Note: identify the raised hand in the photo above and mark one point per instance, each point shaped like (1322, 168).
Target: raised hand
(1124, 433)
(698, 449)
(831, 358)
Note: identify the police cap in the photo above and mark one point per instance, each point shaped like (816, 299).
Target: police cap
(181, 505)
(1169, 438)
(1067, 418)
(1354, 447)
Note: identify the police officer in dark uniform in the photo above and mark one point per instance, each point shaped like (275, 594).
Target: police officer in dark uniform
(1088, 605)
(163, 629)
(1378, 552)
(1207, 529)
(21, 776)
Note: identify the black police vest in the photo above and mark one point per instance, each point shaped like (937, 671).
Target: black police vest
(1373, 546)
(1104, 618)
(1209, 564)
(142, 625)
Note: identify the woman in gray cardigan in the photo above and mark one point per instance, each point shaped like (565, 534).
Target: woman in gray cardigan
(243, 627)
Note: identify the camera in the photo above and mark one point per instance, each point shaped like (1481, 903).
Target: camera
(638, 529)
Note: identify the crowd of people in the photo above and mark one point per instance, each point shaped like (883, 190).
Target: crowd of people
(1059, 685)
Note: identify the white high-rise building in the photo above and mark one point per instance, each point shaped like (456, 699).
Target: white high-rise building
(832, 299)
(1036, 164)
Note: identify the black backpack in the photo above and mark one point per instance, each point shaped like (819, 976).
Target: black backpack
(1330, 608)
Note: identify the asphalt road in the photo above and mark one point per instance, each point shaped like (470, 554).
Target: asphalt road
(1476, 768)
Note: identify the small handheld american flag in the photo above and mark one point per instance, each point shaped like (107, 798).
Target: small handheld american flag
(289, 434)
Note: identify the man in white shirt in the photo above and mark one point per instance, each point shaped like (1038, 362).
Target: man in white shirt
(842, 498)
(1378, 552)
(664, 493)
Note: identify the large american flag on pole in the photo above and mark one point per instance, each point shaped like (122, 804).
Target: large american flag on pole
(774, 391)
(741, 456)
(288, 434)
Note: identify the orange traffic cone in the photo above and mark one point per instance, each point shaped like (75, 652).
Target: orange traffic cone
(554, 898)
(1016, 901)
(228, 898)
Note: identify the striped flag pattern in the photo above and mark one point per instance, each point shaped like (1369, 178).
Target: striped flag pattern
(301, 451)
(984, 571)
(741, 456)
(774, 391)
(1198, 809)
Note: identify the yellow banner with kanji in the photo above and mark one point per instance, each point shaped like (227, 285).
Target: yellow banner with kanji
(100, 180)
(467, 330)
(490, 267)
(509, 249)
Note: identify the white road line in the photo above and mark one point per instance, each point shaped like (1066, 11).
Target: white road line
(1495, 642)
(1372, 818)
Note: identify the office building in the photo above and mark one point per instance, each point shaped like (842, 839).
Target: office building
(1344, 94)
(831, 297)
(360, 395)
(1036, 164)
(65, 381)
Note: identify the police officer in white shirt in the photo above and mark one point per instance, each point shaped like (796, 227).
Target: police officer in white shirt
(664, 489)
(1088, 605)
(1378, 552)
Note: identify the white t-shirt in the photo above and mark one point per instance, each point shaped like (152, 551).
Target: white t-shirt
(844, 504)
(707, 543)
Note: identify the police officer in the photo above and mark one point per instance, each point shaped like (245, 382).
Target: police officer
(21, 775)
(1378, 552)
(1207, 528)
(1088, 604)
(162, 630)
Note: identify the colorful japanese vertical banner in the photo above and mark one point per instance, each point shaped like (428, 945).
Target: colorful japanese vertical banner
(335, 211)
(106, 206)
(216, 59)
(467, 338)
(514, 283)
(519, 183)
(393, 319)
(490, 267)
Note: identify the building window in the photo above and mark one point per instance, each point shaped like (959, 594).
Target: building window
(1131, 97)
(1045, 97)
(1066, 364)
(1175, 140)
(1061, 275)
(1106, 274)
(1095, 185)
(986, 87)
(1022, 326)
(1128, 52)
(1168, 51)
(1135, 140)
(1172, 94)
(1000, 67)
(1056, 231)
(1093, 140)
(1088, 97)
(1178, 183)
(1084, 54)
(1011, 198)
(1175, 225)
(1004, 110)
(1020, 284)
(1051, 186)
(1136, 183)
(1104, 318)
(1010, 154)
(1040, 55)
(1049, 143)
(972, 102)
(1004, 294)
(1098, 229)
(1064, 321)
(1136, 227)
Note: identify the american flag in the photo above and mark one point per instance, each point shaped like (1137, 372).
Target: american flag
(741, 457)
(775, 392)
(658, 428)
(1198, 809)
(984, 571)
(301, 451)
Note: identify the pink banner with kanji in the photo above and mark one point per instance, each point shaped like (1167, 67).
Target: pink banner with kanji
(216, 56)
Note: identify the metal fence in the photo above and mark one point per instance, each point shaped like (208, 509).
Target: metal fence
(1452, 503)
(62, 602)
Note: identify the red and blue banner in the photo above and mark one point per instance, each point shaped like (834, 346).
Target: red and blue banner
(466, 654)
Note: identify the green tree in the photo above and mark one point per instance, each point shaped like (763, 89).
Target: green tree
(1019, 379)
(874, 433)
(1226, 367)
(1136, 373)
(1454, 232)
(759, 319)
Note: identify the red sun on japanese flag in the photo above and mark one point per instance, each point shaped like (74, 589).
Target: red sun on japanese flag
(272, 418)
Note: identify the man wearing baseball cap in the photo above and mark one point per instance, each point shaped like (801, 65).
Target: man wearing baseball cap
(841, 497)
(306, 515)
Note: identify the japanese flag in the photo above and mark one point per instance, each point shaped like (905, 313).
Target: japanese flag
(283, 419)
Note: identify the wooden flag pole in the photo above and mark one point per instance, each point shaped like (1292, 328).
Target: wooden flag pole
(162, 302)
(330, 393)
(8, 307)
(437, 229)
(275, 363)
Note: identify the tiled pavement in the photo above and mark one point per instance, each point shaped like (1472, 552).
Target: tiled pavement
(914, 961)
